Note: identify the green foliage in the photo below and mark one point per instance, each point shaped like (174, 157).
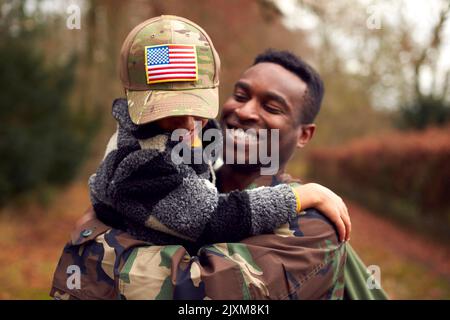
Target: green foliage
(42, 140)
(424, 112)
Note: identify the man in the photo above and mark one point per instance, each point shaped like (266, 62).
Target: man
(303, 260)
(281, 91)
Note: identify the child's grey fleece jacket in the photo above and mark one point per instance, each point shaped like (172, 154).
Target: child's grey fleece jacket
(139, 189)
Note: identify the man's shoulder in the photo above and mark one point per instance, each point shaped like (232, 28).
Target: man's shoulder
(90, 260)
(305, 254)
(313, 221)
(310, 222)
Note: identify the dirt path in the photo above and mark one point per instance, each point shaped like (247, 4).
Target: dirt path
(32, 239)
(412, 267)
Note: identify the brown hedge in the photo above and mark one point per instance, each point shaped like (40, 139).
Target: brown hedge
(412, 168)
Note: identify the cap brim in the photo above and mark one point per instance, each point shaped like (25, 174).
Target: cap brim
(147, 106)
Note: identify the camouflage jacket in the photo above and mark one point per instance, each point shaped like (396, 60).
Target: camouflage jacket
(300, 260)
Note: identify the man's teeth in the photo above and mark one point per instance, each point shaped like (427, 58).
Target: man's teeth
(241, 135)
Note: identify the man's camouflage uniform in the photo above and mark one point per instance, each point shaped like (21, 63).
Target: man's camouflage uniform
(301, 260)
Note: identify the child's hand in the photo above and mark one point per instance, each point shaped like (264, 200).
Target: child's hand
(313, 195)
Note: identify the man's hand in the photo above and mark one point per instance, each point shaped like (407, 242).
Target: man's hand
(313, 195)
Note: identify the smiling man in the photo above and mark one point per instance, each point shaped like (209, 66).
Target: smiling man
(282, 92)
(278, 93)
(300, 260)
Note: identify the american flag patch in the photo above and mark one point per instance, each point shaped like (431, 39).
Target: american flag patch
(171, 62)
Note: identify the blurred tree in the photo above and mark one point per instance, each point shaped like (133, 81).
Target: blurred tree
(432, 107)
(42, 140)
(424, 112)
(378, 73)
(351, 60)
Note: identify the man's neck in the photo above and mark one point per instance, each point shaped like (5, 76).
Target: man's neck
(231, 178)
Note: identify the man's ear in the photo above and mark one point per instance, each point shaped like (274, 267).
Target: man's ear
(305, 134)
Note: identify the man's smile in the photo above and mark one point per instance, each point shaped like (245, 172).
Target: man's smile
(241, 135)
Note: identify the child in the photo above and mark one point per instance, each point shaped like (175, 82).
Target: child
(138, 188)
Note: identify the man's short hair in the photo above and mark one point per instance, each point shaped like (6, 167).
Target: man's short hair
(315, 88)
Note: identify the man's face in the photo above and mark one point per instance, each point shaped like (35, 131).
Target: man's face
(267, 96)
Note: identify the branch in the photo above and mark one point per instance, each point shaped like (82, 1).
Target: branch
(434, 44)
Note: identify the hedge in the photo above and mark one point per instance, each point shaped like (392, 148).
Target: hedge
(402, 174)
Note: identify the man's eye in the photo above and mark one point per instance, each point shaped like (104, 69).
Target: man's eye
(240, 97)
(272, 109)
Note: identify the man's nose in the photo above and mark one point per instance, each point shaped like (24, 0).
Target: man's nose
(248, 111)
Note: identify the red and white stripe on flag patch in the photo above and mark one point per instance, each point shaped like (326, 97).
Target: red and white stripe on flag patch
(171, 62)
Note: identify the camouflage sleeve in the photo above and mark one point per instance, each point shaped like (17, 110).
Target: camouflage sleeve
(301, 260)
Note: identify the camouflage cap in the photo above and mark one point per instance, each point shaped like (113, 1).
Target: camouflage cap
(156, 87)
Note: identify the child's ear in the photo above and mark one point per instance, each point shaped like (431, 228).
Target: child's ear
(204, 122)
(305, 134)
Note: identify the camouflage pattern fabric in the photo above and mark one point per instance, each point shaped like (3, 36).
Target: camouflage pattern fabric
(149, 102)
(168, 30)
(301, 260)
